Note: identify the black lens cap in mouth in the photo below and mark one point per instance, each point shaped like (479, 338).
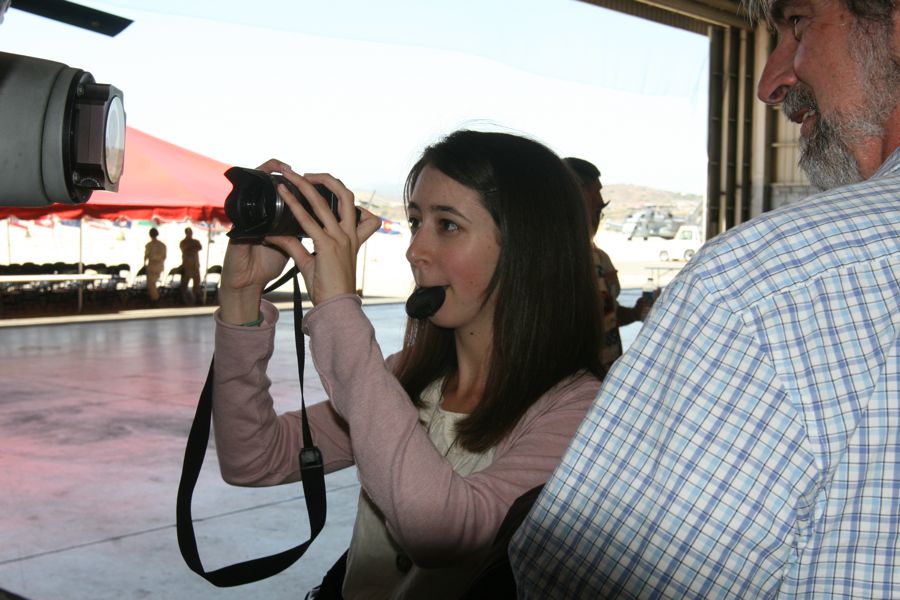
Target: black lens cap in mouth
(425, 301)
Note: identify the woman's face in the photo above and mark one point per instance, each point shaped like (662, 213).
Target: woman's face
(455, 244)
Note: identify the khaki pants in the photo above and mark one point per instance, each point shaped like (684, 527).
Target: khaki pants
(153, 273)
(189, 272)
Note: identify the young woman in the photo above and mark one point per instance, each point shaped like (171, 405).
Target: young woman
(482, 400)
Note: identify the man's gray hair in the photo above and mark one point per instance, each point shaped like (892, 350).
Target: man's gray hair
(872, 10)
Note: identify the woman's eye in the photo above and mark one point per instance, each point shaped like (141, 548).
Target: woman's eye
(414, 224)
(449, 225)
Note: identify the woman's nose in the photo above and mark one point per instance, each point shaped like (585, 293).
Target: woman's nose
(417, 252)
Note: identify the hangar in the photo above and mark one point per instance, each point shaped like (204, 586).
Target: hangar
(753, 151)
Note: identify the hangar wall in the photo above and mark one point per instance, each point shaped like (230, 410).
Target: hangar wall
(753, 151)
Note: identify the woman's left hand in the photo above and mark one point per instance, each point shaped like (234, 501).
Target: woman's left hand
(331, 269)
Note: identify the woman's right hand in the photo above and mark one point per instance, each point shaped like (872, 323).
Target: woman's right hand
(247, 268)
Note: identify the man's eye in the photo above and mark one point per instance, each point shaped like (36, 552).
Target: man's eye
(795, 22)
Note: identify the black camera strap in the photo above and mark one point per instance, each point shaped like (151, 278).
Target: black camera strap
(311, 469)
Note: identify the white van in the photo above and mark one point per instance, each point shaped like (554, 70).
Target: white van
(687, 240)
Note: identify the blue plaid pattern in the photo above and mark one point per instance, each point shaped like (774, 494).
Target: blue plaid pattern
(748, 443)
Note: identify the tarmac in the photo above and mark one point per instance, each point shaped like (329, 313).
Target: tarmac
(94, 415)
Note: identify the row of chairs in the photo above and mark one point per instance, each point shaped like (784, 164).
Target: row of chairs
(28, 290)
(170, 286)
(62, 268)
(119, 290)
(118, 276)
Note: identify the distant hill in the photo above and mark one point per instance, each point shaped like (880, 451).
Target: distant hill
(624, 198)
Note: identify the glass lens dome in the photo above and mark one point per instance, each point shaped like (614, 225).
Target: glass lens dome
(115, 139)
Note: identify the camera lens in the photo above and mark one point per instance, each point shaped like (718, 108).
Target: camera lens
(251, 204)
(256, 210)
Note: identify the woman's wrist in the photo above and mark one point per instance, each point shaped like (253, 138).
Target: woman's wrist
(256, 322)
(238, 307)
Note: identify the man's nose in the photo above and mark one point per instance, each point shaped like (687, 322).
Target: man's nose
(778, 76)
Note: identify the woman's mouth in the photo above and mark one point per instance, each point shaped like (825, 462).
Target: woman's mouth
(425, 301)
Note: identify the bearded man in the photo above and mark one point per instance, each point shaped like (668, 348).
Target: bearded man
(747, 445)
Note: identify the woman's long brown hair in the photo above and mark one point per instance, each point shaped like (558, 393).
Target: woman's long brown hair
(547, 321)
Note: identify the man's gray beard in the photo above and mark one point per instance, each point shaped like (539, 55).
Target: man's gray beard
(826, 159)
(825, 155)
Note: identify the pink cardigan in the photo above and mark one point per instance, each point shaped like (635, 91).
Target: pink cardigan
(436, 515)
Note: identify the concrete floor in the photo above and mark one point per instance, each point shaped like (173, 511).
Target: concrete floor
(94, 418)
(93, 421)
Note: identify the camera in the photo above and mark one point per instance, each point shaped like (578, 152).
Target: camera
(256, 210)
(63, 134)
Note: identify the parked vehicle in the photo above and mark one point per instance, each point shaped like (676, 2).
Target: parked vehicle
(685, 243)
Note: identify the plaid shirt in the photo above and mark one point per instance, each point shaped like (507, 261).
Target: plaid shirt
(747, 445)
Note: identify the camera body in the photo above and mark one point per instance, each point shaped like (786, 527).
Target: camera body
(256, 210)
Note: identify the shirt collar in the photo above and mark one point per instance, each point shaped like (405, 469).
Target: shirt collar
(891, 164)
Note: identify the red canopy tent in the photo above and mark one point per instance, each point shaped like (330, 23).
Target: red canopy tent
(160, 181)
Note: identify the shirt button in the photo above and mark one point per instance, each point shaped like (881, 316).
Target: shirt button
(403, 563)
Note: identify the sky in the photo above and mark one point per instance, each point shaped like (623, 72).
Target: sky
(358, 88)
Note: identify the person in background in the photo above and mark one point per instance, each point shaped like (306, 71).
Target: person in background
(154, 263)
(615, 315)
(190, 267)
(479, 404)
(747, 445)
